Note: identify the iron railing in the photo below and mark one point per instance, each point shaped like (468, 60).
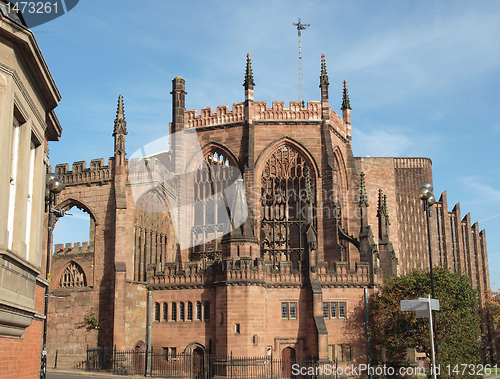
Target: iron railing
(204, 366)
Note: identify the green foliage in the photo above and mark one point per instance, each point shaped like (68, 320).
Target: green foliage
(493, 303)
(92, 321)
(457, 322)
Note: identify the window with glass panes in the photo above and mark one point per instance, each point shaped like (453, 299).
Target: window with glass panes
(293, 310)
(174, 312)
(333, 310)
(157, 311)
(325, 310)
(165, 312)
(341, 310)
(198, 310)
(181, 311)
(284, 311)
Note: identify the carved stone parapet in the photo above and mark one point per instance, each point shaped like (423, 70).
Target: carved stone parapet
(96, 173)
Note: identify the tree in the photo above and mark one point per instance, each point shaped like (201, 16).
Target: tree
(457, 321)
(493, 303)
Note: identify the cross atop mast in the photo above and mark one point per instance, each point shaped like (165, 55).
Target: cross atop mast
(300, 26)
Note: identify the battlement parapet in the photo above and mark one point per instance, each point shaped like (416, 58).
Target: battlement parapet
(412, 163)
(73, 248)
(294, 112)
(278, 112)
(255, 271)
(342, 275)
(96, 173)
(208, 118)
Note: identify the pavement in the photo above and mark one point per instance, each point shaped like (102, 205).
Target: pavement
(56, 373)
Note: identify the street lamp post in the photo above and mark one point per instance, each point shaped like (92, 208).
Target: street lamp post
(53, 185)
(426, 195)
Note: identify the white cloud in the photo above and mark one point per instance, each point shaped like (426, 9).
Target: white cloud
(482, 192)
(382, 143)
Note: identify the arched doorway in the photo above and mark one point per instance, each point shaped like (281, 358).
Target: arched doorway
(139, 358)
(198, 363)
(287, 360)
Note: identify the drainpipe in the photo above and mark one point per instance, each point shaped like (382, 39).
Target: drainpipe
(148, 348)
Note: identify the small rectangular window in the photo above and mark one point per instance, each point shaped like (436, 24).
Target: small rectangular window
(198, 310)
(174, 312)
(339, 353)
(181, 311)
(237, 329)
(157, 311)
(334, 310)
(331, 352)
(342, 310)
(284, 311)
(173, 352)
(293, 310)
(325, 310)
(164, 353)
(347, 353)
(165, 312)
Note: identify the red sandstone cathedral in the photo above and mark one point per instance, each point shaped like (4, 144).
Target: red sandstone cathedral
(322, 230)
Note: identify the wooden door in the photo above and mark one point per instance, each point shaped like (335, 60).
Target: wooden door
(198, 363)
(287, 359)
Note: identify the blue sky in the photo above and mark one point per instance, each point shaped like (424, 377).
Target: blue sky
(423, 78)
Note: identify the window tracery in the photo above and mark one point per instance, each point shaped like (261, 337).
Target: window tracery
(285, 203)
(211, 218)
(151, 230)
(73, 277)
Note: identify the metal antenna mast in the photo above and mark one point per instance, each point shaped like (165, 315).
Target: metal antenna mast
(300, 27)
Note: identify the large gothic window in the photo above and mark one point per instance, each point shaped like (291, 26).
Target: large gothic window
(285, 194)
(151, 230)
(210, 205)
(73, 277)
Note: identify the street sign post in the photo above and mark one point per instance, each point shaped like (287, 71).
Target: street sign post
(423, 308)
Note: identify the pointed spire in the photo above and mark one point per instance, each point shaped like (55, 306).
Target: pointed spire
(248, 73)
(323, 79)
(383, 217)
(345, 98)
(380, 202)
(386, 212)
(363, 200)
(120, 123)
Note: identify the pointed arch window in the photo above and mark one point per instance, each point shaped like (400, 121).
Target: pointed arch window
(211, 220)
(73, 277)
(288, 189)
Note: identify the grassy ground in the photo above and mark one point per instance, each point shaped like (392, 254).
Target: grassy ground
(494, 371)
